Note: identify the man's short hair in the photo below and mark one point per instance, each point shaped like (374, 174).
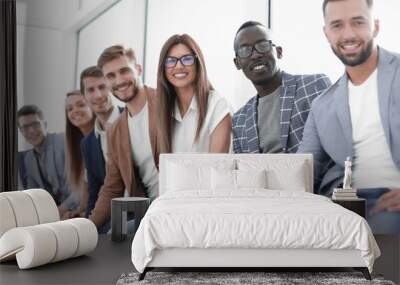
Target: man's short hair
(370, 3)
(93, 71)
(29, 110)
(247, 25)
(115, 52)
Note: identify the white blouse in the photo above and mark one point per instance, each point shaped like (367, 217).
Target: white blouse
(183, 139)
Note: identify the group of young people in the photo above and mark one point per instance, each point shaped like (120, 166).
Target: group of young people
(112, 151)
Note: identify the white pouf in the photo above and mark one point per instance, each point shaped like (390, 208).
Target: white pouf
(40, 244)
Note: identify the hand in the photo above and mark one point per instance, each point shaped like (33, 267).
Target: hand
(389, 201)
(67, 215)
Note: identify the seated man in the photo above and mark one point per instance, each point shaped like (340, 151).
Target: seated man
(359, 116)
(94, 145)
(132, 153)
(273, 120)
(45, 163)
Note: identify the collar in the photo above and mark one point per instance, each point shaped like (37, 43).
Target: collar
(288, 79)
(113, 117)
(193, 106)
(43, 147)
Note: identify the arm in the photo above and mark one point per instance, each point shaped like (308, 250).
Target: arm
(235, 136)
(29, 164)
(113, 187)
(30, 182)
(221, 136)
(68, 200)
(311, 144)
(94, 184)
(389, 201)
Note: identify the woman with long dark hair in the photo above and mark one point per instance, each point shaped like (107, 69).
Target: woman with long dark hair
(192, 116)
(79, 122)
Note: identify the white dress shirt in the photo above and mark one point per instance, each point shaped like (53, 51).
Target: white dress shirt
(183, 139)
(99, 131)
(373, 163)
(142, 152)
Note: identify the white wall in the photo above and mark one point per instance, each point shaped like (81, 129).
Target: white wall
(297, 26)
(44, 68)
(124, 23)
(46, 52)
(213, 24)
(47, 71)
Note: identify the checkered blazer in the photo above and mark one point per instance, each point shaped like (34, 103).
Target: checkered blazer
(296, 94)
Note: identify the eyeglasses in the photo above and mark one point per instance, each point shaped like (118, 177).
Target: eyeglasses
(35, 125)
(260, 47)
(185, 60)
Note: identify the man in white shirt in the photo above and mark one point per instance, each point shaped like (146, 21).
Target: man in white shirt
(131, 167)
(94, 146)
(359, 116)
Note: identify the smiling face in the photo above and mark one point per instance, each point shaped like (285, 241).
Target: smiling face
(97, 94)
(180, 76)
(122, 77)
(33, 129)
(78, 111)
(350, 30)
(260, 68)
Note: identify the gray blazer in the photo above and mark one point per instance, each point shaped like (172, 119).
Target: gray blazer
(55, 162)
(328, 131)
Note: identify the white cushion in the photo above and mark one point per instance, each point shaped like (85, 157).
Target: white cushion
(26, 208)
(183, 178)
(282, 174)
(45, 206)
(251, 178)
(7, 218)
(40, 244)
(226, 179)
(87, 235)
(223, 179)
(32, 246)
(66, 236)
(23, 208)
(185, 175)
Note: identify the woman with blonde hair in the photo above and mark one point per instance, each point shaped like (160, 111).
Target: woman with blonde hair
(192, 116)
(79, 122)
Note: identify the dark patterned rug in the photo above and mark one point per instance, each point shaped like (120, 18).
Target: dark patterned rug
(269, 278)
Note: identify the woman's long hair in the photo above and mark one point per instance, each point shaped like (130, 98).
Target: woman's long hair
(167, 97)
(73, 137)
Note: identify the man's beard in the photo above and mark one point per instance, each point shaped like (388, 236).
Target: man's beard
(128, 99)
(360, 59)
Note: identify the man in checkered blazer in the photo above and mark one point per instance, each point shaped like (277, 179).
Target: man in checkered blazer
(274, 119)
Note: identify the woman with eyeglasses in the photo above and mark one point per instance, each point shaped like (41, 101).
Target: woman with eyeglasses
(193, 117)
(79, 122)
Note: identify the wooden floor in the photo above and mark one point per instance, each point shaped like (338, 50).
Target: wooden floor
(106, 264)
(102, 266)
(389, 263)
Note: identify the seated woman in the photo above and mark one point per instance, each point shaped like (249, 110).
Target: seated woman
(79, 122)
(192, 116)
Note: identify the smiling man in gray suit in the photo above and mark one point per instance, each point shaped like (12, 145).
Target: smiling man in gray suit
(45, 163)
(359, 116)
